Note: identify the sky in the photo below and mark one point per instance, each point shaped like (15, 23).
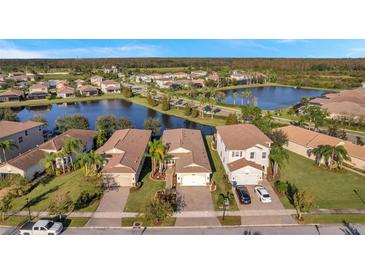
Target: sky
(287, 48)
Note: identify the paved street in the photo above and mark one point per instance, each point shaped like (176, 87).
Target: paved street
(339, 229)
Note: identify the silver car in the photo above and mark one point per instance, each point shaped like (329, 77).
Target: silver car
(263, 195)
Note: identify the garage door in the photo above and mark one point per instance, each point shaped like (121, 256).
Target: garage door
(193, 180)
(246, 179)
(125, 179)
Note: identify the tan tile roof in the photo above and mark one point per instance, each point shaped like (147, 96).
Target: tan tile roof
(12, 92)
(65, 90)
(88, 88)
(242, 136)
(8, 128)
(110, 82)
(127, 147)
(232, 166)
(313, 139)
(57, 142)
(27, 159)
(194, 157)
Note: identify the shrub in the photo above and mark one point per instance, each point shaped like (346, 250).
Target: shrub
(126, 92)
(194, 113)
(12, 179)
(187, 110)
(281, 187)
(165, 104)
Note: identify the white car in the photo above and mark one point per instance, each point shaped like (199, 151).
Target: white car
(41, 227)
(263, 195)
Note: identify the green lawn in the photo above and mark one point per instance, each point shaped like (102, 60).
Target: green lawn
(333, 218)
(130, 221)
(14, 221)
(230, 220)
(138, 197)
(218, 171)
(73, 183)
(331, 190)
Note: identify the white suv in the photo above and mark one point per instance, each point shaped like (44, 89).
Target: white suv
(263, 195)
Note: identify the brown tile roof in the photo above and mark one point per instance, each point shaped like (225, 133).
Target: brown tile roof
(192, 157)
(65, 90)
(57, 142)
(12, 92)
(27, 159)
(38, 86)
(8, 128)
(313, 139)
(110, 82)
(127, 147)
(88, 88)
(232, 166)
(242, 136)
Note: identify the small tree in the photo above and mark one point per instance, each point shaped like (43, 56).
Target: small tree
(5, 205)
(7, 145)
(126, 92)
(150, 101)
(153, 124)
(359, 141)
(40, 119)
(165, 104)
(157, 211)
(232, 119)
(187, 110)
(303, 202)
(194, 113)
(8, 114)
(67, 122)
(60, 203)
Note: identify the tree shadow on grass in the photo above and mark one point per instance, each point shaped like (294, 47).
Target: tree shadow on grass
(210, 157)
(39, 198)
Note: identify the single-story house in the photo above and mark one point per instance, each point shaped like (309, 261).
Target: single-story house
(11, 95)
(66, 92)
(125, 154)
(88, 90)
(188, 164)
(302, 141)
(244, 151)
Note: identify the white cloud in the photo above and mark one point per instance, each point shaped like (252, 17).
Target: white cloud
(356, 52)
(9, 50)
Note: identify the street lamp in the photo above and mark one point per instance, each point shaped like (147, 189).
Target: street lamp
(28, 206)
(225, 202)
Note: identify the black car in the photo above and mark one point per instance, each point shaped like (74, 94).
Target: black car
(243, 195)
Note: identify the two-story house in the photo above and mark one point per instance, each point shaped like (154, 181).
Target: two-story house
(96, 80)
(110, 86)
(38, 91)
(244, 151)
(25, 136)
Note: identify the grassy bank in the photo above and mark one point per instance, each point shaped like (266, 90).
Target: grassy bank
(333, 218)
(330, 189)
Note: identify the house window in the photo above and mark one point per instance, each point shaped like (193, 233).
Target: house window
(232, 153)
(26, 133)
(264, 155)
(252, 155)
(237, 154)
(240, 153)
(20, 139)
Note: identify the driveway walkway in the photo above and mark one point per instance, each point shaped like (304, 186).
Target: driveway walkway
(113, 201)
(196, 198)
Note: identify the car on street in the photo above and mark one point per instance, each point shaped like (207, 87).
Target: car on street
(263, 194)
(243, 195)
(41, 227)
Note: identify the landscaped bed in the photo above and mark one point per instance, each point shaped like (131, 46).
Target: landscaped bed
(218, 173)
(330, 189)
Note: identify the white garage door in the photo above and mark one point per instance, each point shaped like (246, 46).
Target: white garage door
(193, 180)
(246, 179)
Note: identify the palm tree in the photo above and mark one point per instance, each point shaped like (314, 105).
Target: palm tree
(92, 162)
(156, 151)
(7, 145)
(234, 96)
(71, 146)
(278, 157)
(212, 103)
(50, 163)
(202, 102)
(247, 94)
(332, 156)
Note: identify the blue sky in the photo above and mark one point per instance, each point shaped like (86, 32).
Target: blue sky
(181, 48)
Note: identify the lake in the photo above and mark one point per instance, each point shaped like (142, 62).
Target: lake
(272, 98)
(92, 109)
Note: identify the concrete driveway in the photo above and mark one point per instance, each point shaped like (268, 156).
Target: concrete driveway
(196, 198)
(257, 205)
(113, 200)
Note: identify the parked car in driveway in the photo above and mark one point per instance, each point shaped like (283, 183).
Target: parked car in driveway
(243, 195)
(263, 195)
(41, 227)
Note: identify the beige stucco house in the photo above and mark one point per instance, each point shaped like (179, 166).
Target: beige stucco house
(125, 155)
(110, 86)
(244, 151)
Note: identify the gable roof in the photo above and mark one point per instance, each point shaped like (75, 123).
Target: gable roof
(12, 92)
(312, 139)
(65, 90)
(127, 148)
(242, 136)
(57, 142)
(88, 88)
(193, 157)
(8, 128)
(240, 163)
(27, 159)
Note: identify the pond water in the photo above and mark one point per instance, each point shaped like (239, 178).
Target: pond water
(120, 108)
(271, 98)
